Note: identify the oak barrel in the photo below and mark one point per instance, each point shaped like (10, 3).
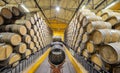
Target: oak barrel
(105, 36)
(110, 53)
(5, 51)
(113, 20)
(10, 38)
(56, 56)
(20, 29)
(97, 25)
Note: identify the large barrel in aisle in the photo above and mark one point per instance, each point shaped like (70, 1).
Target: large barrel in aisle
(105, 36)
(111, 53)
(10, 38)
(56, 56)
(98, 25)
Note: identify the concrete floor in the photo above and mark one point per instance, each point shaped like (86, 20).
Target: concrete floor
(45, 67)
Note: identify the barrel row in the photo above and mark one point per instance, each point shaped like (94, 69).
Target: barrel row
(21, 38)
(96, 38)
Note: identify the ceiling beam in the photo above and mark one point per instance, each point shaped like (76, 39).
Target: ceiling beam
(76, 10)
(100, 4)
(41, 11)
(53, 7)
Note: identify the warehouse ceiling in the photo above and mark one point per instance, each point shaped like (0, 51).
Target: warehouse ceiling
(67, 8)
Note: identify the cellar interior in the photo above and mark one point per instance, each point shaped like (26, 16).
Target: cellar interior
(59, 36)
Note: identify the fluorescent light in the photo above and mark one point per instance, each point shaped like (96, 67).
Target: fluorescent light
(57, 8)
(83, 7)
(24, 7)
(112, 4)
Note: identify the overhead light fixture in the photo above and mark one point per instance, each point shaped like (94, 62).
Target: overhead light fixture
(58, 8)
(24, 8)
(112, 4)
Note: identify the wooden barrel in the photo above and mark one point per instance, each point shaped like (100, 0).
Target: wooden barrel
(34, 39)
(105, 36)
(32, 20)
(31, 45)
(113, 20)
(1, 20)
(35, 17)
(31, 32)
(26, 38)
(82, 30)
(100, 12)
(56, 43)
(85, 37)
(11, 38)
(20, 29)
(106, 15)
(78, 50)
(90, 18)
(110, 53)
(116, 26)
(6, 13)
(34, 49)
(116, 69)
(35, 28)
(38, 15)
(28, 53)
(5, 51)
(85, 54)
(14, 58)
(38, 25)
(16, 12)
(82, 14)
(37, 44)
(37, 34)
(92, 48)
(97, 25)
(21, 48)
(56, 56)
(96, 59)
(27, 23)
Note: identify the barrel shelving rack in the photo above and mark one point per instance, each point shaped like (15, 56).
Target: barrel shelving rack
(24, 63)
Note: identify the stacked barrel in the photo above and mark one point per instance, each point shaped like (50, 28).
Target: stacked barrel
(98, 38)
(19, 38)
